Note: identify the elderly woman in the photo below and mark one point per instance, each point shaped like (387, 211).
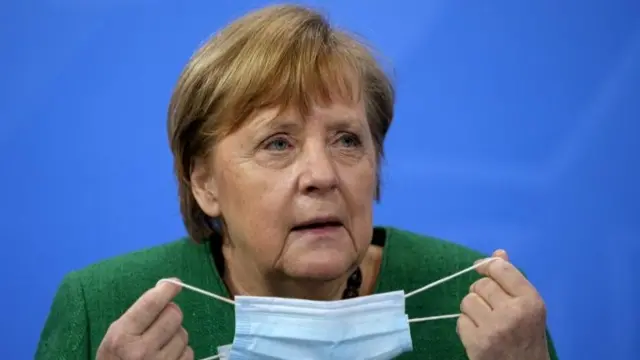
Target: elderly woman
(277, 126)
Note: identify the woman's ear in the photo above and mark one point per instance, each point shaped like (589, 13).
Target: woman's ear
(205, 189)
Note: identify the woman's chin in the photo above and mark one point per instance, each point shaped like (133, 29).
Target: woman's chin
(320, 265)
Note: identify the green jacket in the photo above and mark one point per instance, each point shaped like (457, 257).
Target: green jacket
(89, 300)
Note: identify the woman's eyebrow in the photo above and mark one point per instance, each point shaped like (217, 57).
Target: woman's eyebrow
(282, 124)
(289, 124)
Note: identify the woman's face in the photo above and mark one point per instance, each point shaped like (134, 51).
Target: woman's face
(296, 193)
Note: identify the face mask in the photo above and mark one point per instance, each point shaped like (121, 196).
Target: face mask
(368, 327)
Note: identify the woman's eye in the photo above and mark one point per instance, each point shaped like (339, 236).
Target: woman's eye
(349, 140)
(278, 144)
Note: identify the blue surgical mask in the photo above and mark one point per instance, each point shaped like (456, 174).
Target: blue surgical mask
(368, 327)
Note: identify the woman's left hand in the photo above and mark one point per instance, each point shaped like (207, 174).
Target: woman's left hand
(503, 316)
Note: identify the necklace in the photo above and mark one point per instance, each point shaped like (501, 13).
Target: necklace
(353, 285)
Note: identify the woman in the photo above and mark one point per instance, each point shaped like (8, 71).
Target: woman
(277, 126)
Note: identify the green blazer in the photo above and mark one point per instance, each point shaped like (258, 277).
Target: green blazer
(89, 300)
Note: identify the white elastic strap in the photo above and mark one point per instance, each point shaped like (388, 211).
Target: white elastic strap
(203, 292)
(431, 318)
(212, 357)
(438, 282)
(414, 292)
(447, 278)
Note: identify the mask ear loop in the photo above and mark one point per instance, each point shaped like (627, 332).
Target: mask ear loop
(438, 282)
(414, 292)
(198, 290)
(213, 357)
(203, 292)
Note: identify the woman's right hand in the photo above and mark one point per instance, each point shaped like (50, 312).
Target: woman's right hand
(150, 329)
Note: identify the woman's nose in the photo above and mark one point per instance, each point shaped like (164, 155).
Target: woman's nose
(319, 173)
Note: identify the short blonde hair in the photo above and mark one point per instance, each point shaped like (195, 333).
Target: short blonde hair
(280, 56)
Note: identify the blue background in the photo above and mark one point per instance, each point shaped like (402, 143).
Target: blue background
(517, 126)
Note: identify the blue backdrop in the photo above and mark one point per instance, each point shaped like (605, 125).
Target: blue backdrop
(517, 127)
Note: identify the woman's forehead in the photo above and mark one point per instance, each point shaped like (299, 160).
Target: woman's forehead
(336, 115)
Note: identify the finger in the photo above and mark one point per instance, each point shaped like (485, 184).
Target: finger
(187, 354)
(498, 254)
(465, 327)
(490, 292)
(164, 328)
(475, 308)
(481, 264)
(501, 254)
(147, 308)
(507, 276)
(176, 345)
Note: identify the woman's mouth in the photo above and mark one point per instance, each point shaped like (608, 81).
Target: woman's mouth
(318, 226)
